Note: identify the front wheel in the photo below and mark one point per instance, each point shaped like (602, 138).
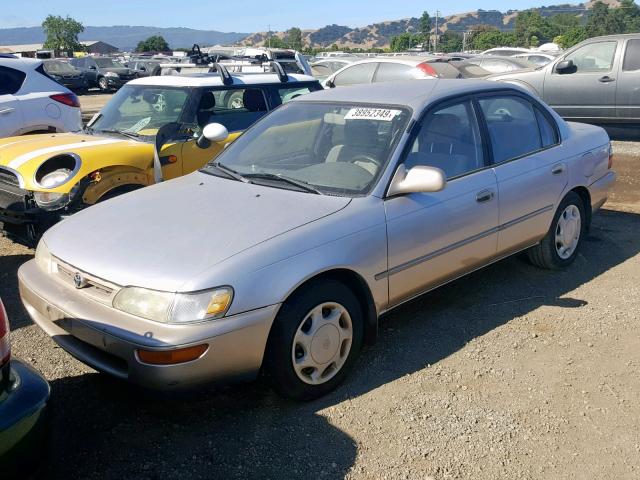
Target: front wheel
(103, 84)
(314, 341)
(560, 246)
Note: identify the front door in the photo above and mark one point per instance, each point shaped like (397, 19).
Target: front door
(628, 91)
(11, 119)
(589, 90)
(434, 237)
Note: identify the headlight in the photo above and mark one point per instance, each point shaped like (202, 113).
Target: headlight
(180, 308)
(55, 178)
(51, 200)
(111, 74)
(43, 257)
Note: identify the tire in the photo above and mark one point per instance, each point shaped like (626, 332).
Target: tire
(103, 85)
(552, 253)
(334, 352)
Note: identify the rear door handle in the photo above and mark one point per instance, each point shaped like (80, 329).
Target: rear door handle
(485, 196)
(7, 110)
(606, 79)
(558, 169)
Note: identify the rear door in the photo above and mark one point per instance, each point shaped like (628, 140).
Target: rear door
(356, 74)
(628, 91)
(528, 164)
(588, 91)
(11, 118)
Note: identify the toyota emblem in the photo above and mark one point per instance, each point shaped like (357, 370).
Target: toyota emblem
(78, 280)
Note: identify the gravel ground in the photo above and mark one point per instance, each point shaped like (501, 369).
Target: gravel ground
(511, 372)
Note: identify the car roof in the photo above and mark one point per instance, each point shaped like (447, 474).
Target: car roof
(214, 80)
(404, 59)
(20, 63)
(416, 94)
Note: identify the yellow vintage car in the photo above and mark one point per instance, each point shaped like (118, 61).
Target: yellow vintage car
(153, 129)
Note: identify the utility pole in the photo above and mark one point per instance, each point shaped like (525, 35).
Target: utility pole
(269, 34)
(435, 42)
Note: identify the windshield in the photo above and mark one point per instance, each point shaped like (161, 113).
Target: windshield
(334, 148)
(108, 63)
(142, 109)
(58, 67)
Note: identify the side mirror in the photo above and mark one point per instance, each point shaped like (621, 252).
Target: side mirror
(213, 132)
(92, 67)
(565, 66)
(330, 84)
(418, 179)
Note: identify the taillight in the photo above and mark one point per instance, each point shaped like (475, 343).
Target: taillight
(427, 69)
(69, 99)
(5, 345)
(610, 156)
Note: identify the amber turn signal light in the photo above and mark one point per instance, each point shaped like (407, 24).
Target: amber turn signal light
(172, 357)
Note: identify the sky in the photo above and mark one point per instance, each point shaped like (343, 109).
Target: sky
(240, 15)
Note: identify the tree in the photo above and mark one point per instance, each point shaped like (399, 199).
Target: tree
(62, 34)
(493, 38)
(156, 43)
(405, 41)
(571, 37)
(450, 41)
(294, 38)
(534, 41)
(425, 25)
(275, 42)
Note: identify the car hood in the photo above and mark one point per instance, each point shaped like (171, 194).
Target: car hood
(25, 154)
(162, 236)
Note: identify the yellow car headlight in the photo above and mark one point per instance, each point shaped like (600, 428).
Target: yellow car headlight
(175, 308)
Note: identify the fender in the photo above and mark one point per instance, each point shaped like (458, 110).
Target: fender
(111, 178)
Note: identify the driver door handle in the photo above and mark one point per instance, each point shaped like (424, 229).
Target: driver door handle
(558, 169)
(485, 196)
(4, 111)
(606, 79)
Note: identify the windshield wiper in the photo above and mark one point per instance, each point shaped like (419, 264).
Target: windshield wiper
(281, 178)
(133, 136)
(230, 172)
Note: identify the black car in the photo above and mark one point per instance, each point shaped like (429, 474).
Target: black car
(104, 72)
(24, 410)
(144, 68)
(66, 74)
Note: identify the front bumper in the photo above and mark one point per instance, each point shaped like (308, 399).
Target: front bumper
(107, 339)
(24, 415)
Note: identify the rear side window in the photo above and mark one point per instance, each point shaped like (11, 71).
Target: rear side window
(356, 74)
(632, 56)
(389, 72)
(10, 80)
(513, 127)
(287, 94)
(548, 131)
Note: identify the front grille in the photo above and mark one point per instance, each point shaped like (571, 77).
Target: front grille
(9, 177)
(94, 288)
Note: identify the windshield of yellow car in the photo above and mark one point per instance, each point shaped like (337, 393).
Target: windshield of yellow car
(141, 109)
(334, 148)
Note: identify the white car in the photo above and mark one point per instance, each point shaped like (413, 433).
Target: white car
(506, 51)
(30, 101)
(537, 58)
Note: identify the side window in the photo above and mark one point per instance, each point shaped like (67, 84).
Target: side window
(594, 57)
(449, 139)
(548, 131)
(287, 94)
(513, 127)
(10, 80)
(236, 108)
(389, 72)
(356, 74)
(632, 56)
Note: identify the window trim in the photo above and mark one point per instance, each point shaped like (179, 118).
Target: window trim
(414, 126)
(534, 105)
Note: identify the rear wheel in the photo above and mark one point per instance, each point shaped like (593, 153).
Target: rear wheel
(314, 341)
(560, 246)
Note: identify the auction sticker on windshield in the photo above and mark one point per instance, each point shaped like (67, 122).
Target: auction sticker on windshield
(384, 114)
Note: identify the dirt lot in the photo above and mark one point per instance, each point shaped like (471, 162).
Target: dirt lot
(511, 373)
(92, 102)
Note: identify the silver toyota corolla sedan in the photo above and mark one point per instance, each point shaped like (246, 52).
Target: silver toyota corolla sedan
(280, 255)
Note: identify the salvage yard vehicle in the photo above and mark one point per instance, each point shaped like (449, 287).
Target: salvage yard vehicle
(595, 81)
(66, 74)
(24, 410)
(280, 255)
(31, 102)
(153, 129)
(103, 72)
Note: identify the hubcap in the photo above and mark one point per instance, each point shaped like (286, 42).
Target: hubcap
(568, 231)
(322, 343)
